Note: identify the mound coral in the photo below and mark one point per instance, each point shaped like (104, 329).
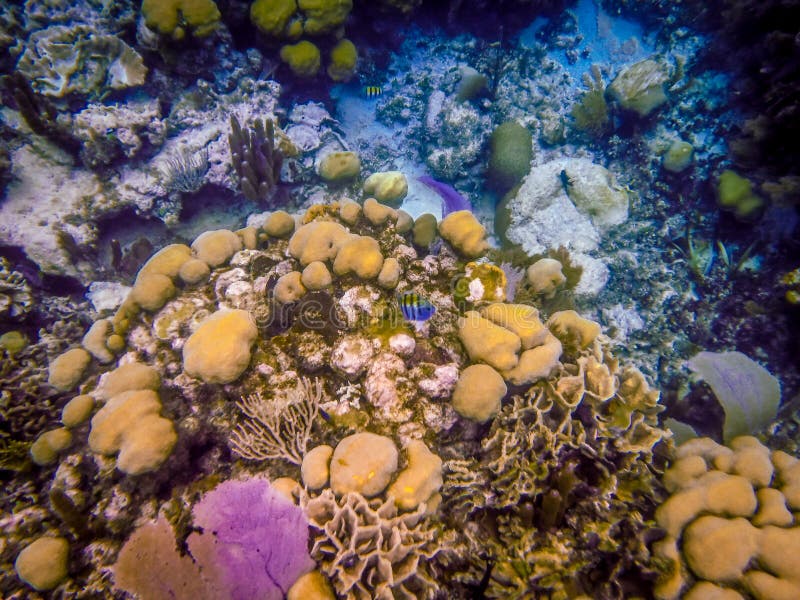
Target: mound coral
(344, 59)
(43, 564)
(511, 154)
(303, 58)
(177, 17)
(729, 522)
(640, 87)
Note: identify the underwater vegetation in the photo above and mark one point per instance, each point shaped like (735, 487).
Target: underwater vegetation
(336, 299)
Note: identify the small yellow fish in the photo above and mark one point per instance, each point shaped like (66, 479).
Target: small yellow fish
(373, 91)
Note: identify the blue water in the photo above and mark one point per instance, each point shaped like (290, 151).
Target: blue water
(606, 39)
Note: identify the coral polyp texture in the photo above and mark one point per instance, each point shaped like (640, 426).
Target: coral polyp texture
(336, 300)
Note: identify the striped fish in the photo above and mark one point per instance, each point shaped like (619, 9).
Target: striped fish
(373, 91)
(414, 307)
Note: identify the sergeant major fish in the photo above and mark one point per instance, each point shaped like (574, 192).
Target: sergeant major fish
(414, 307)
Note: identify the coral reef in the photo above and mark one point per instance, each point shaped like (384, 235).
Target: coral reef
(371, 550)
(560, 498)
(728, 520)
(62, 60)
(404, 406)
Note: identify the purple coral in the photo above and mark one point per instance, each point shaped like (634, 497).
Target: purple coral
(254, 541)
(452, 201)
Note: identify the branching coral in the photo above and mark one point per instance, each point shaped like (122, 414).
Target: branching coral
(255, 159)
(279, 428)
(557, 503)
(369, 550)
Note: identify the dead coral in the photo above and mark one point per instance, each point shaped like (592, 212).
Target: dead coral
(369, 550)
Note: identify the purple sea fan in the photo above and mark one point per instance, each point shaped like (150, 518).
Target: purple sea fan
(254, 541)
(452, 201)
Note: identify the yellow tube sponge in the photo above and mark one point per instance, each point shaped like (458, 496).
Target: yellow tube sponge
(361, 256)
(464, 233)
(219, 350)
(303, 58)
(322, 16)
(274, 17)
(174, 17)
(344, 60)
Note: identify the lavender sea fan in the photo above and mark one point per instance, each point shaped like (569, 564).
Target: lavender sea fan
(254, 540)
